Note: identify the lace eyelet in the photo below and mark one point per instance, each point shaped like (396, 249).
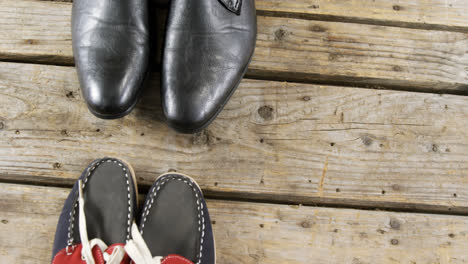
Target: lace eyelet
(69, 250)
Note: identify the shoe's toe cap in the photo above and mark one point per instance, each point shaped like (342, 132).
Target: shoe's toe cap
(196, 85)
(112, 65)
(107, 101)
(190, 110)
(111, 92)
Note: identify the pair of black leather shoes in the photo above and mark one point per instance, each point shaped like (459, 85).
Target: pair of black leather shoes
(99, 220)
(208, 46)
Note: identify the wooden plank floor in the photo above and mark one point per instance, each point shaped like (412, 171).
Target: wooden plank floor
(347, 107)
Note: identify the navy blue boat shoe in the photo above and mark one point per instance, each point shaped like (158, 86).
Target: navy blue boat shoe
(95, 223)
(175, 226)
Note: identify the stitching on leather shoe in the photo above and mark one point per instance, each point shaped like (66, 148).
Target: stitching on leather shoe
(181, 259)
(85, 180)
(154, 192)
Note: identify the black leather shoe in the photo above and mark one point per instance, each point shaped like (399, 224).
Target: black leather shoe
(175, 226)
(111, 45)
(208, 46)
(96, 219)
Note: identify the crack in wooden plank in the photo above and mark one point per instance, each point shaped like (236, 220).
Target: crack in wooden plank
(322, 180)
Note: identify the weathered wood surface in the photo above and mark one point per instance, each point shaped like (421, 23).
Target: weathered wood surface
(287, 49)
(428, 14)
(259, 233)
(274, 141)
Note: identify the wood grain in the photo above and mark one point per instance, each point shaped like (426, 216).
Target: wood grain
(259, 233)
(35, 30)
(426, 14)
(287, 49)
(273, 141)
(296, 49)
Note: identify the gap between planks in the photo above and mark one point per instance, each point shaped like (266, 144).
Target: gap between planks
(261, 199)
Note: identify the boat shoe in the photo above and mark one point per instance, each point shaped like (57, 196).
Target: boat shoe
(175, 226)
(95, 223)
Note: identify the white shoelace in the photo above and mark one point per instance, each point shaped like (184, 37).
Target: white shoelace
(138, 250)
(86, 252)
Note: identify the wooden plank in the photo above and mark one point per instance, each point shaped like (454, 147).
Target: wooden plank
(35, 30)
(427, 14)
(273, 141)
(287, 49)
(260, 233)
(296, 49)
